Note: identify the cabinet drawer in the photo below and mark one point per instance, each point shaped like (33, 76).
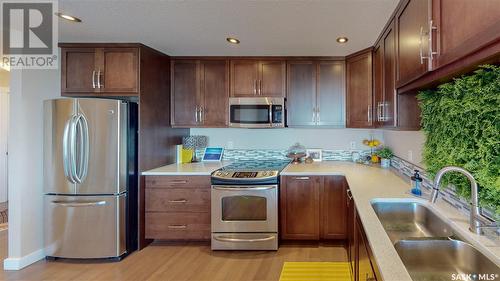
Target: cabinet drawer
(178, 200)
(178, 181)
(178, 226)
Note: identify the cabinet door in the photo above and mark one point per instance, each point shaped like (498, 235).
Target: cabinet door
(300, 208)
(412, 23)
(359, 90)
(272, 79)
(214, 93)
(78, 68)
(119, 72)
(244, 78)
(378, 82)
(333, 208)
(364, 267)
(387, 108)
(464, 26)
(301, 97)
(351, 234)
(330, 101)
(185, 93)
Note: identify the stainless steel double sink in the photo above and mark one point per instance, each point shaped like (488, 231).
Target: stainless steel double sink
(428, 246)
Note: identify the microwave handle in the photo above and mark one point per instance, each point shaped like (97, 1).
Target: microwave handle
(270, 115)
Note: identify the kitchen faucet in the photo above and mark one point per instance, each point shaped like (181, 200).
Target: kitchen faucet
(475, 219)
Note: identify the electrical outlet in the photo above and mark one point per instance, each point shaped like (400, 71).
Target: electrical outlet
(230, 145)
(353, 145)
(410, 155)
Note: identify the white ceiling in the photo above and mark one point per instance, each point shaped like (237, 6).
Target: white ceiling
(195, 27)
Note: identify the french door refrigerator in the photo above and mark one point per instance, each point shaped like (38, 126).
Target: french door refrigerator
(90, 178)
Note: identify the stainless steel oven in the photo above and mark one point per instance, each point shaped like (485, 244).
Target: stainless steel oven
(245, 205)
(258, 112)
(245, 217)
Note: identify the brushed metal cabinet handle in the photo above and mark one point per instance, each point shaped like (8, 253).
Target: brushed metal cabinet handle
(178, 201)
(99, 85)
(93, 79)
(255, 87)
(179, 182)
(177, 226)
(302, 178)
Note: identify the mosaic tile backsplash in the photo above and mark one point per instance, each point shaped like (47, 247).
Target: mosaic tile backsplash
(256, 154)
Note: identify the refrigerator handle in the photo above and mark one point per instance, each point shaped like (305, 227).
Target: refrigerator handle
(79, 203)
(82, 131)
(67, 161)
(73, 148)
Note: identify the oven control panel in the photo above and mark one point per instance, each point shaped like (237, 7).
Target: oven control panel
(245, 174)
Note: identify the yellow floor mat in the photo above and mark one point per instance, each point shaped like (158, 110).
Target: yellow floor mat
(315, 271)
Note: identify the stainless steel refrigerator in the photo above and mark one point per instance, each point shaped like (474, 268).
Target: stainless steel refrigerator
(90, 178)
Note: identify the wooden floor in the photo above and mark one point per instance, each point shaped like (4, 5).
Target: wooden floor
(193, 261)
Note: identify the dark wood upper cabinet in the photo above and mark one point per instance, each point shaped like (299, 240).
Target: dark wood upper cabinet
(200, 93)
(97, 71)
(120, 70)
(272, 81)
(244, 78)
(463, 27)
(385, 111)
(330, 93)
(378, 81)
(214, 93)
(313, 85)
(185, 92)
(359, 90)
(78, 70)
(299, 207)
(333, 208)
(412, 25)
(301, 96)
(258, 78)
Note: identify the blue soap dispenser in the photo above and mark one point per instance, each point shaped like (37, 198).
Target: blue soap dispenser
(416, 181)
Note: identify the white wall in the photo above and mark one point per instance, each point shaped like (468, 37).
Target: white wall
(407, 145)
(284, 138)
(4, 133)
(28, 89)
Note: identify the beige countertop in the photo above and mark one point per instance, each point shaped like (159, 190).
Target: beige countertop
(367, 184)
(187, 169)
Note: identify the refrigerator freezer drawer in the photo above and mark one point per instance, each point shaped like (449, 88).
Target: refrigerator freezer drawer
(85, 227)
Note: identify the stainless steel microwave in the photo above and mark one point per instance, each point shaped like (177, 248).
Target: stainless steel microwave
(258, 112)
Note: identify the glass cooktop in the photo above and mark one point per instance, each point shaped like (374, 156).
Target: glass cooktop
(257, 165)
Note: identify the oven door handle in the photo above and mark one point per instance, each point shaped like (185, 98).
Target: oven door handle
(243, 188)
(229, 239)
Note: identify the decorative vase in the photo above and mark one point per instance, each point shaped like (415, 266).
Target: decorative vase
(385, 163)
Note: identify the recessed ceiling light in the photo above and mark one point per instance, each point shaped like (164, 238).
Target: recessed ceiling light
(232, 40)
(342, 39)
(68, 17)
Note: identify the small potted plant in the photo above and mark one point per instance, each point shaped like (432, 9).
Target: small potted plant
(385, 154)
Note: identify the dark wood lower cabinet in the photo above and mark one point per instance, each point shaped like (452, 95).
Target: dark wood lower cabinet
(333, 208)
(362, 264)
(177, 208)
(313, 207)
(299, 206)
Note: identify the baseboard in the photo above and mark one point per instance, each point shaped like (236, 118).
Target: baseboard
(22, 262)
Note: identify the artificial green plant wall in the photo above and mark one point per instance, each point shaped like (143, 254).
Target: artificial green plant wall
(461, 120)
